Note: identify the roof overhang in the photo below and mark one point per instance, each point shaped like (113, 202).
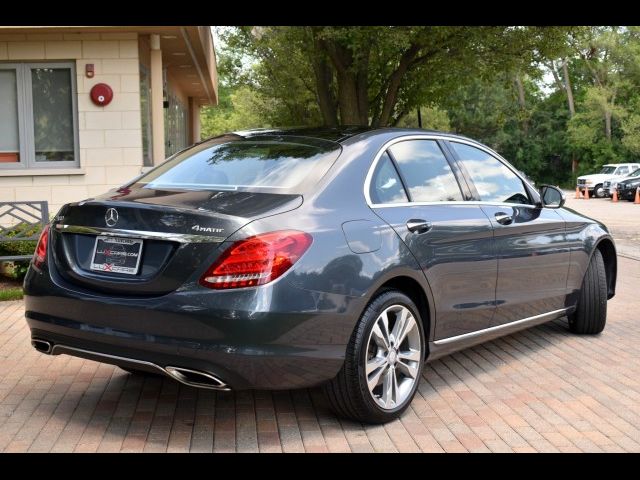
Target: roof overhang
(187, 52)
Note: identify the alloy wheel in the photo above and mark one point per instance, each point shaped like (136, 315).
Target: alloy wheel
(394, 352)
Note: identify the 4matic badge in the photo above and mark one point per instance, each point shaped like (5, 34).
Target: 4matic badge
(198, 228)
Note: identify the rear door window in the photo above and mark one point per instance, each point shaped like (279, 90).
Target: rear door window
(426, 171)
(386, 186)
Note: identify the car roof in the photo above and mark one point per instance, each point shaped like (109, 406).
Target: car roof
(336, 134)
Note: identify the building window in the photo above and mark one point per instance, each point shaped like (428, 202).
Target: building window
(39, 125)
(9, 140)
(175, 124)
(145, 110)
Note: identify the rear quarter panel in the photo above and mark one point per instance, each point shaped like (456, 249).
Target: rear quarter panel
(330, 275)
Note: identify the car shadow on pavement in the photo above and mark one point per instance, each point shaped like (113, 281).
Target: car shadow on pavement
(505, 361)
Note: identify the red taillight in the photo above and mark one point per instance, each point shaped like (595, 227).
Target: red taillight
(40, 255)
(256, 260)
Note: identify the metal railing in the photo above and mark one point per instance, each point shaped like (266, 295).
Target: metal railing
(17, 222)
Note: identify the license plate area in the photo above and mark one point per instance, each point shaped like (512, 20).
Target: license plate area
(116, 255)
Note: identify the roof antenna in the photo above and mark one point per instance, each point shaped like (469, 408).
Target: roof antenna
(419, 118)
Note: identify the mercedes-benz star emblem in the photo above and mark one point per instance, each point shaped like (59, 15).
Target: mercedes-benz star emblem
(111, 217)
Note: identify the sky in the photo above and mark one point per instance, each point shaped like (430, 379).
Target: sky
(216, 40)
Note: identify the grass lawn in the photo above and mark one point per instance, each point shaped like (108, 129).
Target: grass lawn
(13, 293)
(10, 289)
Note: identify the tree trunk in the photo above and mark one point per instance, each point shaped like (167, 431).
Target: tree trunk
(522, 103)
(348, 98)
(554, 72)
(326, 101)
(572, 108)
(395, 80)
(362, 86)
(607, 124)
(567, 87)
(608, 115)
(323, 75)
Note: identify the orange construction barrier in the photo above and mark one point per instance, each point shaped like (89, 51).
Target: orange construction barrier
(615, 195)
(637, 200)
(578, 194)
(586, 193)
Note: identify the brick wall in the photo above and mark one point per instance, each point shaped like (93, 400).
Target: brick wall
(110, 137)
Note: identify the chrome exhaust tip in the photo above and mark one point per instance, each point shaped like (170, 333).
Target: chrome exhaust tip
(196, 378)
(42, 346)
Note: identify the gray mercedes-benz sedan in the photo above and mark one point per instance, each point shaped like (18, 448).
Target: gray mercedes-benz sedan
(348, 257)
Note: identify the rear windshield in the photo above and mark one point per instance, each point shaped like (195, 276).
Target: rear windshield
(270, 164)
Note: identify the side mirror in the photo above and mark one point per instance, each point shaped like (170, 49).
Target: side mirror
(552, 197)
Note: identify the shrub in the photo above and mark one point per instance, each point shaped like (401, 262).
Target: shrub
(21, 247)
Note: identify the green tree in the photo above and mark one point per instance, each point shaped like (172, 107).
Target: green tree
(604, 128)
(239, 108)
(376, 75)
(483, 82)
(587, 131)
(492, 112)
(433, 118)
(631, 129)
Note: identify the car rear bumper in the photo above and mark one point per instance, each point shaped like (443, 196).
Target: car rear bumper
(626, 194)
(243, 337)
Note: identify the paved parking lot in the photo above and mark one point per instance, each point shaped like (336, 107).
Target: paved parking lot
(543, 389)
(622, 219)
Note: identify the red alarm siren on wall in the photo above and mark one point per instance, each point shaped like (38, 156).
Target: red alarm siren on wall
(101, 94)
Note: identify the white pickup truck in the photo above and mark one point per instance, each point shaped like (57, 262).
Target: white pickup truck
(595, 182)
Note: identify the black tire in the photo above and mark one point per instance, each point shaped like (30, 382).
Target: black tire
(590, 315)
(348, 394)
(598, 191)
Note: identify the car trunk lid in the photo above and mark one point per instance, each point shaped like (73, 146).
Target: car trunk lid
(181, 231)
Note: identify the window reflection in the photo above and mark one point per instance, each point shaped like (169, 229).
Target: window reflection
(386, 186)
(492, 179)
(52, 114)
(9, 147)
(240, 164)
(426, 171)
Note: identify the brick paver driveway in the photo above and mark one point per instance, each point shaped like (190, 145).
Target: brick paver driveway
(542, 389)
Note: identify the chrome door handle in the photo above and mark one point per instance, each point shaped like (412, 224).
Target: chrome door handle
(417, 225)
(504, 218)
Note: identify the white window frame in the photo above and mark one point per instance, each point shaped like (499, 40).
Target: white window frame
(447, 138)
(25, 117)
